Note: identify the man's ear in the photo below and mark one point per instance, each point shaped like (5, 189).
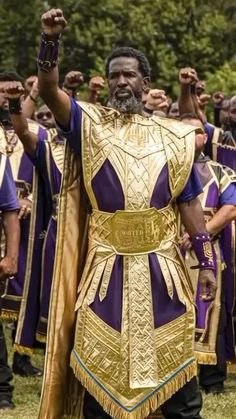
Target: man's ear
(146, 84)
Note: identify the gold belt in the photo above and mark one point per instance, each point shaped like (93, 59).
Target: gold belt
(133, 232)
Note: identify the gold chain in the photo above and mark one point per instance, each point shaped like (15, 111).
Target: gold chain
(10, 144)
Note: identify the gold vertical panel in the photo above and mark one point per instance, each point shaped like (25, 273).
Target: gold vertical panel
(143, 362)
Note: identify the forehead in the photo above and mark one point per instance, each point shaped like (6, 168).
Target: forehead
(124, 64)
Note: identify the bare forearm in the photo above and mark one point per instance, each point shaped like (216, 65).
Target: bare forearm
(11, 227)
(224, 216)
(192, 216)
(28, 139)
(92, 97)
(28, 107)
(54, 97)
(185, 101)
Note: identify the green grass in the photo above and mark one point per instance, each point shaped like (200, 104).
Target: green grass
(27, 390)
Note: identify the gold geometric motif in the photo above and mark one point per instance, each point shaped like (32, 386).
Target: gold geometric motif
(100, 348)
(207, 250)
(143, 363)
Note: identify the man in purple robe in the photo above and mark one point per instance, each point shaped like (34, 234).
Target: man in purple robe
(25, 181)
(9, 207)
(46, 151)
(214, 321)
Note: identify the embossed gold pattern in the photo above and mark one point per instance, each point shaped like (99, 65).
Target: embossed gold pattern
(130, 364)
(133, 232)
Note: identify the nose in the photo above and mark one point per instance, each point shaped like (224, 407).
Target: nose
(122, 82)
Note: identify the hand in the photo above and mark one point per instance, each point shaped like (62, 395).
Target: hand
(208, 284)
(188, 76)
(13, 90)
(185, 243)
(156, 100)
(200, 87)
(218, 98)
(25, 208)
(8, 267)
(73, 80)
(96, 84)
(53, 22)
(203, 100)
(29, 82)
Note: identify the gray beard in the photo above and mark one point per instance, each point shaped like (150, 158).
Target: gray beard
(128, 105)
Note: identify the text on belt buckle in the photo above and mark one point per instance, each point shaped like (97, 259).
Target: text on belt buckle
(135, 232)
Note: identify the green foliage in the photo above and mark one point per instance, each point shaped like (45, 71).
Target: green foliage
(172, 33)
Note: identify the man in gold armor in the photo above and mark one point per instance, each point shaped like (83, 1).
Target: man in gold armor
(121, 313)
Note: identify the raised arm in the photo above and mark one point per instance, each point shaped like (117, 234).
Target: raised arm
(53, 24)
(187, 79)
(13, 92)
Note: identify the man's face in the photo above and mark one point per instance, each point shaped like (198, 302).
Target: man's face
(45, 117)
(232, 111)
(174, 111)
(224, 112)
(126, 84)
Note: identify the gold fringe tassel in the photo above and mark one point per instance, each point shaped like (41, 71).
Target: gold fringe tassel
(23, 350)
(9, 315)
(41, 338)
(205, 358)
(231, 367)
(148, 406)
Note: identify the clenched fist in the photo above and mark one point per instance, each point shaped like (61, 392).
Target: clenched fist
(188, 76)
(96, 84)
(156, 100)
(73, 79)
(13, 90)
(218, 98)
(53, 22)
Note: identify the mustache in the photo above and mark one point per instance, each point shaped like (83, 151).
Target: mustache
(120, 90)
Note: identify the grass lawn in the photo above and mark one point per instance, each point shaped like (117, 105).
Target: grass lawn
(27, 390)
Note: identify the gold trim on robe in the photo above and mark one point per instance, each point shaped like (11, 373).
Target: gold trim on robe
(140, 147)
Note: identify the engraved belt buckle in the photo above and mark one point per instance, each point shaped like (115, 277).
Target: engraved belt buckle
(135, 231)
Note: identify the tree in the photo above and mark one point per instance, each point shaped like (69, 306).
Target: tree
(172, 34)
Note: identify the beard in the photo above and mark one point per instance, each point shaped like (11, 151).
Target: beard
(125, 105)
(5, 118)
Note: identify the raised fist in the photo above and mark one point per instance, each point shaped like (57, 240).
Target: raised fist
(53, 22)
(96, 84)
(218, 98)
(73, 80)
(29, 82)
(156, 100)
(203, 100)
(188, 76)
(13, 89)
(200, 87)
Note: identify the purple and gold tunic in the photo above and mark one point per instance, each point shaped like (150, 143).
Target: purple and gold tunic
(23, 175)
(218, 190)
(134, 337)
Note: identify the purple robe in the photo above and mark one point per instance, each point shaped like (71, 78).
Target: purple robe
(218, 190)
